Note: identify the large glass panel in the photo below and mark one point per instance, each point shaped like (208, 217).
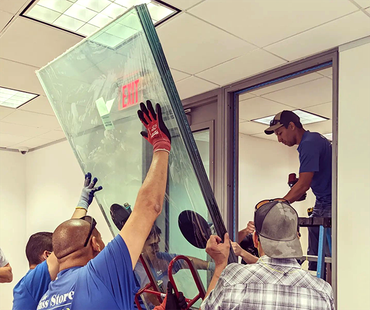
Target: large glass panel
(94, 89)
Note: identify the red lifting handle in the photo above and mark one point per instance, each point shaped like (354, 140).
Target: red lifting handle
(201, 292)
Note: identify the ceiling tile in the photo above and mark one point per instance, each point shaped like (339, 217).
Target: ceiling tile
(266, 22)
(183, 4)
(193, 86)
(250, 128)
(326, 72)
(19, 42)
(267, 137)
(4, 19)
(335, 33)
(20, 130)
(324, 109)
(196, 45)
(31, 143)
(5, 112)
(19, 76)
(242, 67)
(321, 127)
(363, 3)
(286, 84)
(39, 105)
(53, 135)
(304, 95)
(246, 96)
(7, 140)
(32, 119)
(12, 6)
(259, 107)
(178, 75)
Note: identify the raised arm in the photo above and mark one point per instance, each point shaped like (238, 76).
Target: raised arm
(247, 257)
(87, 196)
(149, 201)
(6, 274)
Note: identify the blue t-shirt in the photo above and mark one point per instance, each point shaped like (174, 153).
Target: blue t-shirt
(106, 282)
(31, 287)
(315, 153)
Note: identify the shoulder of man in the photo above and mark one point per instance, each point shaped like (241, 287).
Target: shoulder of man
(238, 273)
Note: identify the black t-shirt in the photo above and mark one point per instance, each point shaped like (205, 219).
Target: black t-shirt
(247, 244)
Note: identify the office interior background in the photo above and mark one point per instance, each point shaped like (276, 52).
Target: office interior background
(219, 52)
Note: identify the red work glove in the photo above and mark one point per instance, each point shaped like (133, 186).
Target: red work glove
(157, 133)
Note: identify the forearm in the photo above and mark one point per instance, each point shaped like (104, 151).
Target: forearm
(6, 274)
(216, 276)
(79, 212)
(242, 234)
(296, 192)
(248, 257)
(198, 263)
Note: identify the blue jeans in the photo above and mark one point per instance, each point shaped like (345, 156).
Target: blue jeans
(321, 209)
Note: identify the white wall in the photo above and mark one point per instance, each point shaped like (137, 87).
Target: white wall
(353, 218)
(12, 219)
(264, 166)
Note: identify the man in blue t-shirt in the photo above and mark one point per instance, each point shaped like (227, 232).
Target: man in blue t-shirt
(42, 262)
(315, 171)
(93, 276)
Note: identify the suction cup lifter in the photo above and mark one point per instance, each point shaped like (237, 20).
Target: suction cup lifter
(195, 228)
(120, 214)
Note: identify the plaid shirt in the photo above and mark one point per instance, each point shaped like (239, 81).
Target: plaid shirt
(269, 284)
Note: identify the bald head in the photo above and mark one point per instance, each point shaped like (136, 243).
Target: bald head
(70, 236)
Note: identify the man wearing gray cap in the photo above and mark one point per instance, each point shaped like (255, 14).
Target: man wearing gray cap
(315, 171)
(276, 281)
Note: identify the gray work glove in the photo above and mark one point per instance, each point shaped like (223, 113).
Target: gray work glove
(88, 192)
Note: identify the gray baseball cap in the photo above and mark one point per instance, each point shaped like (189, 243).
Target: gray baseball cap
(276, 223)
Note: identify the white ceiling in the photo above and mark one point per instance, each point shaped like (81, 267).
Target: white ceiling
(211, 43)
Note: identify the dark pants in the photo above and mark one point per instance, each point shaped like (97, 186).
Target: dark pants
(321, 209)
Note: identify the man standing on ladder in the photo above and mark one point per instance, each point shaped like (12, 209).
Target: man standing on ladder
(315, 157)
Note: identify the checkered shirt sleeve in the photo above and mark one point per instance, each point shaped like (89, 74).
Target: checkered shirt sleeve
(269, 284)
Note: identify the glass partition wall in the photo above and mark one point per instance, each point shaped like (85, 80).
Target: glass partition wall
(94, 89)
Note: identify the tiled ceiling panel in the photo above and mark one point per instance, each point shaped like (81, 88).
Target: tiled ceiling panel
(193, 86)
(304, 95)
(335, 33)
(21, 130)
(12, 6)
(259, 107)
(39, 105)
(196, 45)
(363, 3)
(250, 128)
(19, 76)
(20, 42)
(4, 19)
(183, 4)
(178, 75)
(7, 140)
(321, 127)
(32, 119)
(266, 22)
(252, 63)
(262, 135)
(4, 112)
(324, 109)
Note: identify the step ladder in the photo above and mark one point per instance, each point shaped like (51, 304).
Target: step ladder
(324, 224)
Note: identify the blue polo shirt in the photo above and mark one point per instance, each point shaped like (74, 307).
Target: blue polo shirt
(106, 282)
(315, 155)
(31, 287)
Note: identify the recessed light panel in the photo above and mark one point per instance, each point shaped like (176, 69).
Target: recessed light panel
(14, 98)
(306, 118)
(84, 17)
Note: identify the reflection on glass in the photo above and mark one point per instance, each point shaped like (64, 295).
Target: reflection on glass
(94, 89)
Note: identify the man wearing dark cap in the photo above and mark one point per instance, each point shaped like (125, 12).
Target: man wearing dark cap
(315, 157)
(276, 280)
(95, 276)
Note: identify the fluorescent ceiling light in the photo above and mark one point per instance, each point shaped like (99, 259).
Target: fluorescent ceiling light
(306, 118)
(86, 16)
(14, 98)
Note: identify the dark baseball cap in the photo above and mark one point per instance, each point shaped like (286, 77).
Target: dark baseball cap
(283, 118)
(276, 224)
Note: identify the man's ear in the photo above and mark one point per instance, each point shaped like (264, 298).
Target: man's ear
(292, 126)
(95, 245)
(45, 255)
(255, 240)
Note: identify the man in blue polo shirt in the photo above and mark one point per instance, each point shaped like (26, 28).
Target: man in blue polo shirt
(315, 171)
(42, 262)
(93, 276)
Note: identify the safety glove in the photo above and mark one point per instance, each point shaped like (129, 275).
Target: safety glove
(157, 133)
(173, 302)
(88, 192)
